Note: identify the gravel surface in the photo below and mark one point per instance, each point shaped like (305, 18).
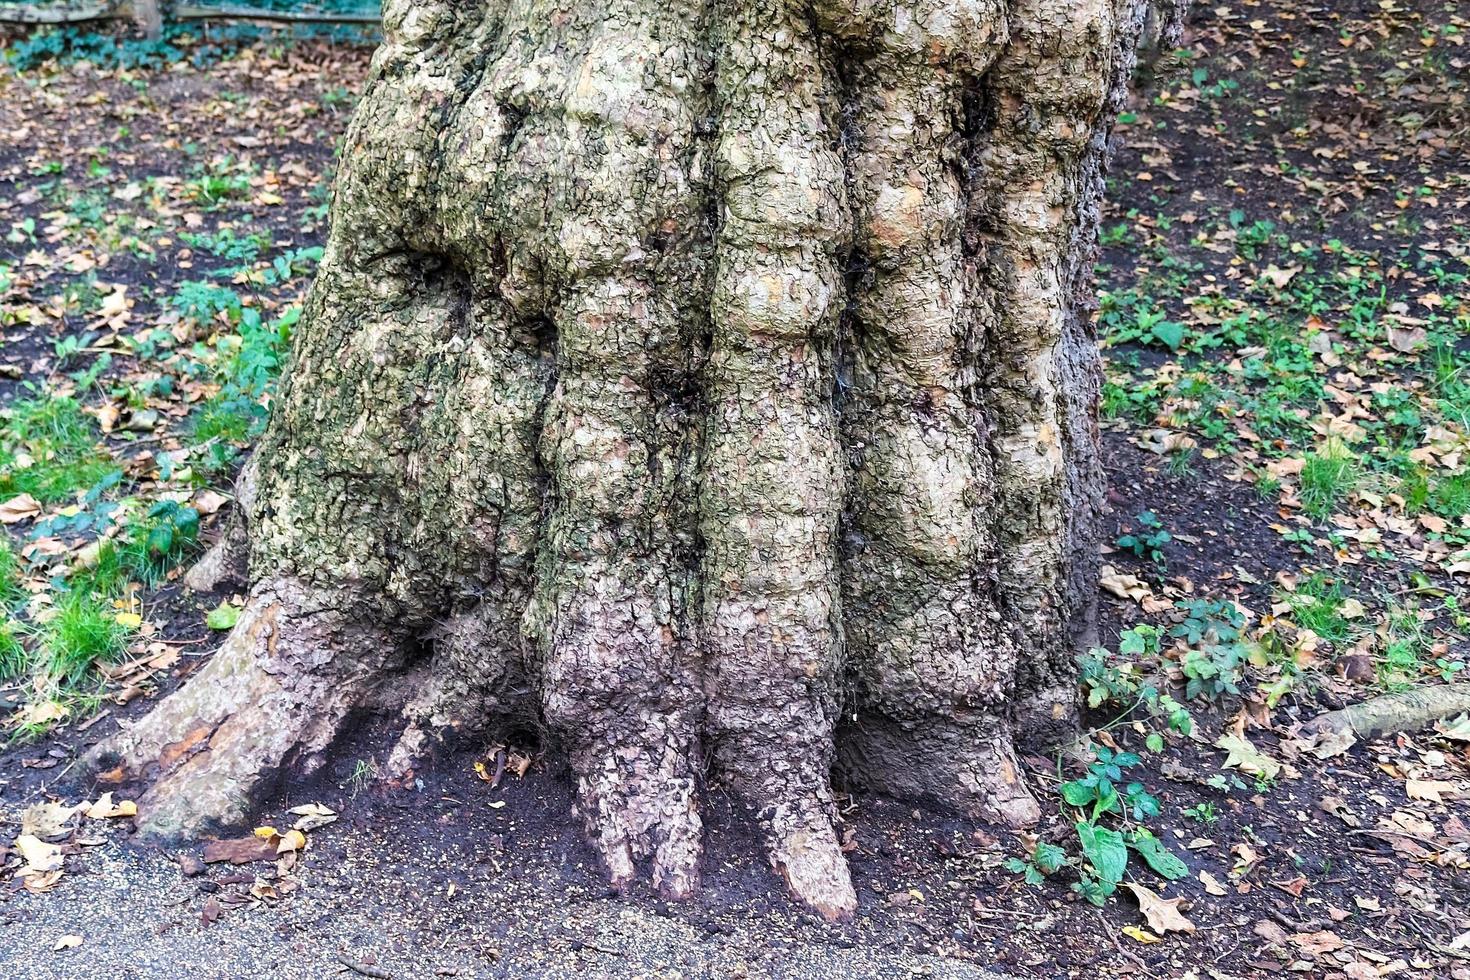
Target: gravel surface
(400, 892)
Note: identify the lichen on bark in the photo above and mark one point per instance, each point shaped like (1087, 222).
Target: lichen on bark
(708, 383)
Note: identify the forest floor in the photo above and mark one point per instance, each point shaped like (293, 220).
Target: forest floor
(1287, 328)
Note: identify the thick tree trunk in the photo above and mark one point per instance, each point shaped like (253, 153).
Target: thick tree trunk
(713, 385)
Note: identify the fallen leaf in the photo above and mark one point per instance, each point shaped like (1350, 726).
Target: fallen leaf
(1269, 931)
(1212, 884)
(312, 816)
(1406, 340)
(47, 820)
(1163, 914)
(39, 856)
(207, 502)
(1246, 757)
(1458, 729)
(1432, 790)
(1123, 585)
(240, 850)
(291, 840)
(1317, 943)
(1141, 935)
(19, 508)
(66, 942)
(105, 809)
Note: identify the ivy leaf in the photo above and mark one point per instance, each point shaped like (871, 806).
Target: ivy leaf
(1159, 857)
(1169, 333)
(1104, 850)
(1048, 857)
(1078, 794)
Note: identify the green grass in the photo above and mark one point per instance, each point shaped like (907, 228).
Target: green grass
(1317, 605)
(1328, 476)
(1406, 651)
(11, 590)
(83, 631)
(49, 449)
(15, 661)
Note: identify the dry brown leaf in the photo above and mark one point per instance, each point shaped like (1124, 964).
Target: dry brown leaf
(1212, 884)
(1163, 914)
(312, 816)
(1123, 585)
(1317, 943)
(39, 856)
(208, 501)
(47, 820)
(19, 508)
(1432, 790)
(240, 850)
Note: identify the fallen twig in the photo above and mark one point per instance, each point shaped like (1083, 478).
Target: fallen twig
(367, 970)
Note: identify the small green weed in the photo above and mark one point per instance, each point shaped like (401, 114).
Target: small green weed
(1149, 540)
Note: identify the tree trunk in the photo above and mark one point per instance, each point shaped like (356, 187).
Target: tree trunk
(713, 385)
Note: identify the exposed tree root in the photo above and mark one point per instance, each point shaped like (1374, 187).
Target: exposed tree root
(1403, 711)
(270, 700)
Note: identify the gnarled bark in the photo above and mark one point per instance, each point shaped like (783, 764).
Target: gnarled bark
(710, 383)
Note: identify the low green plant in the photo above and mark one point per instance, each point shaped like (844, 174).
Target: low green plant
(12, 592)
(1203, 812)
(1215, 658)
(1317, 604)
(1110, 817)
(49, 448)
(15, 660)
(1149, 540)
(1328, 475)
(1045, 859)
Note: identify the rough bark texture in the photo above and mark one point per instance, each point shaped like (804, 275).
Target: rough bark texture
(710, 384)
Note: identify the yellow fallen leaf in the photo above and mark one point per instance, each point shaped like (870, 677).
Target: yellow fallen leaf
(291, 840)
(266, 833)
(129, 620)
(105, 809)
(1142, 935)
